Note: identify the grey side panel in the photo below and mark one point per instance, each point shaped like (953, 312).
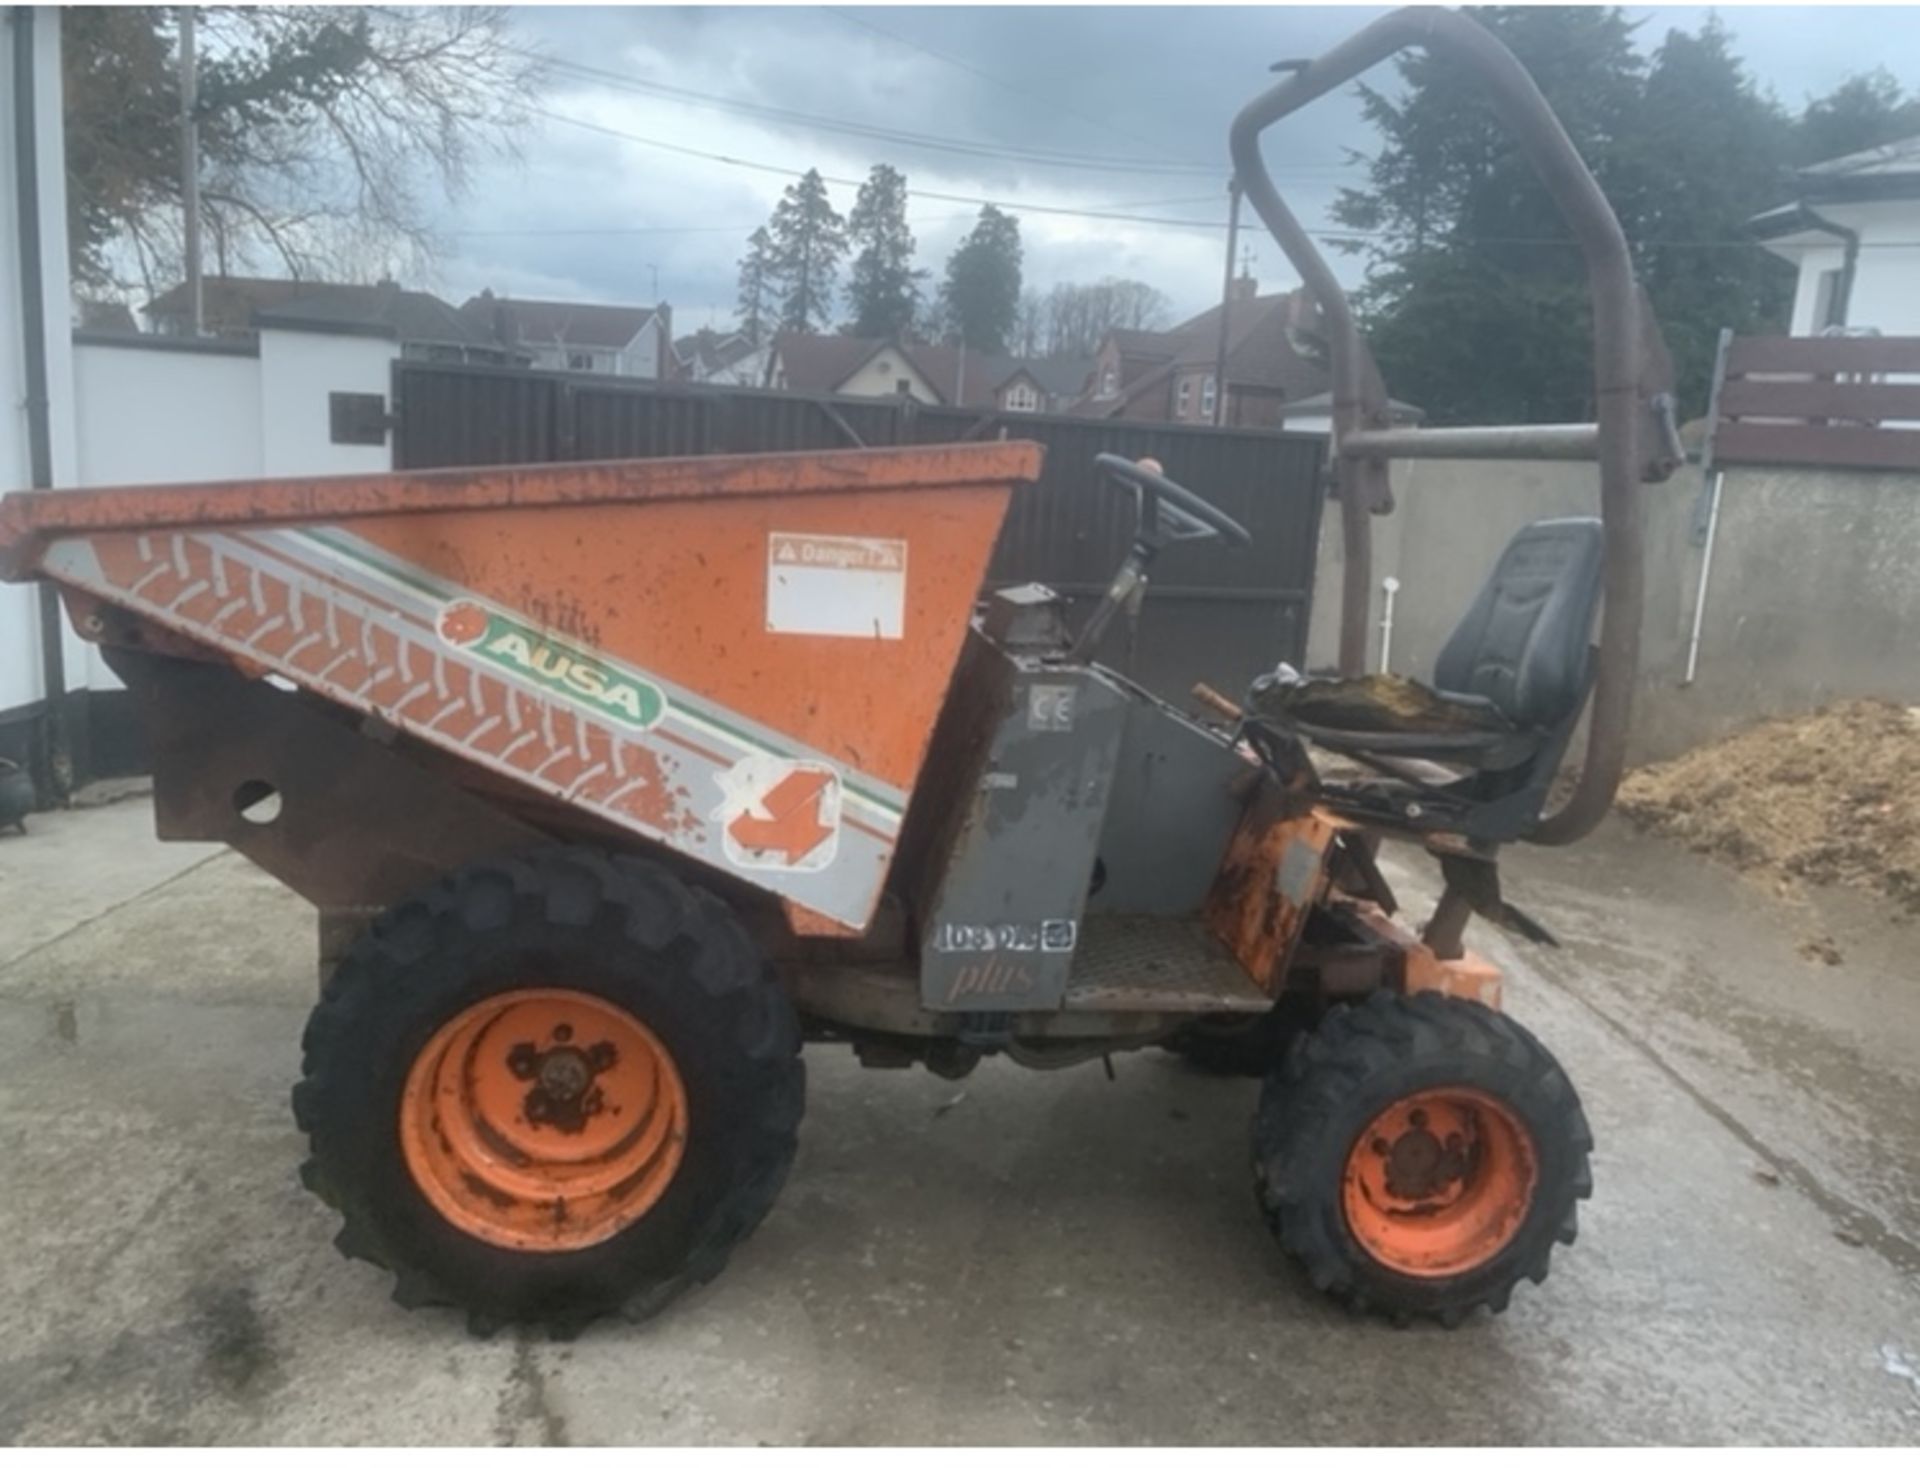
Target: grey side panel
(1177, 799)
(1004, 921)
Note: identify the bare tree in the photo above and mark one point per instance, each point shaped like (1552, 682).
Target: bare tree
(1030, 325)
(325, 133)
(1079, 316)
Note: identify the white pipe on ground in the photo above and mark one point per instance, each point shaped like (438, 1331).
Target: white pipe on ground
(1392, 587)
(1706, 570)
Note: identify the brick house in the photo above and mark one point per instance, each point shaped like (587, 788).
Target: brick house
(1273, 358)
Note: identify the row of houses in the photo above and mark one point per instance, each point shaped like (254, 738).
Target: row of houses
(1268, 372)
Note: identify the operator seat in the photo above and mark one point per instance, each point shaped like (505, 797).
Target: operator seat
(1508, 689)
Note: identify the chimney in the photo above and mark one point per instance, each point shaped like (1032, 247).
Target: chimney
(1245, 288)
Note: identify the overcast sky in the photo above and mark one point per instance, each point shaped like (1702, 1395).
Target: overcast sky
(1144, 93)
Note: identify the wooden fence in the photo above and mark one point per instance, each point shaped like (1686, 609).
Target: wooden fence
(1848, 402)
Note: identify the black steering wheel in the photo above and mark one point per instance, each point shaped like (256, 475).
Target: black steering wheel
(1163, 492)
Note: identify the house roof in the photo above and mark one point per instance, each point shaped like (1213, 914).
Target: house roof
(985, 372)
(1891, 171)
(97, 315)
(1900, 157)
(232, 304)
(1059, 377)
(379, 310)
(1268, 345)
(713, 350)
(1322, 402)
(227, 302)
(820, 364)
(561, 323)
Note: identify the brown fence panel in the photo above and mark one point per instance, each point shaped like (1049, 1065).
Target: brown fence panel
(1816, 354)
(1830, 445)
(1212, 613)
(1866, 402)
(1821, 401)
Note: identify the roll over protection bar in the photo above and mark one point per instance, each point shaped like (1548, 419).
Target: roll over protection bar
(1632, 387)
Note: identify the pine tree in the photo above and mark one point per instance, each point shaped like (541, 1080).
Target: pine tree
(756, 286)
(883, 294)
(1862, 112)
(1476, 299)
(1476, 303)
(981, 296)
(808, 239)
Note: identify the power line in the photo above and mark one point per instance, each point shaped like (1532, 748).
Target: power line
(873, 132)
(1334, 236)
(745, 229)
(758, 167)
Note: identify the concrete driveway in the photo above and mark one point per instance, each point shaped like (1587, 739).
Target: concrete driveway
(1014, 1258)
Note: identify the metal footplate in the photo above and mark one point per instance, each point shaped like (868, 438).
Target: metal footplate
(1161, 965)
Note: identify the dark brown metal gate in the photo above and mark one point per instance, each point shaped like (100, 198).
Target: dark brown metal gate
(1213, 613)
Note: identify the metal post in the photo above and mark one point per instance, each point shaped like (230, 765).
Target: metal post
(56, 742)
(1226, 303)
(1706, 570)
(190, 167)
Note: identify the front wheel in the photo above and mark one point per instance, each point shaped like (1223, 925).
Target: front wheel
(1420, 1155)
(551, 1087)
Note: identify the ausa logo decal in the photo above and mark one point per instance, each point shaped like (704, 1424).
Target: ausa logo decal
(536, 658)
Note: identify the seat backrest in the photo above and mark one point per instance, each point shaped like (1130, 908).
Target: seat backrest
(1523, 644)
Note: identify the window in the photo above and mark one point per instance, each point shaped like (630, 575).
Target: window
(1109, 383)
(1185, 399)
(579, 361)
(356, 417)
(1828, 308)
(1021, 398)
(1207, 395)
(902, 386)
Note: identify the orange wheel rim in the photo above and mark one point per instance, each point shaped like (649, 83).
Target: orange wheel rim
(1439, 1182)
(543, 1120)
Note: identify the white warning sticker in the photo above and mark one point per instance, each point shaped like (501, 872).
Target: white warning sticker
(836, 585)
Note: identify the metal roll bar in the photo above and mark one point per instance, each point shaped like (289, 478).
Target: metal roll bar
(1628, 366)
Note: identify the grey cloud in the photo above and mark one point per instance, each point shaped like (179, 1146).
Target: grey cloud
(1139, 83)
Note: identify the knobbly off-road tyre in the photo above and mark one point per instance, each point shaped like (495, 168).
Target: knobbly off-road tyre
(1420, 1155)
(564, 1022)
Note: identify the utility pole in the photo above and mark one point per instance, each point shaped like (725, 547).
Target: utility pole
(190, 167)
(1226, 304)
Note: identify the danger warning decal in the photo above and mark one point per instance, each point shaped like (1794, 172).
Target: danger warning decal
(779, 813)
(836, 585)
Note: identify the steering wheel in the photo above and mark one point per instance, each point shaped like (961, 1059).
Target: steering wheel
(1181, 500)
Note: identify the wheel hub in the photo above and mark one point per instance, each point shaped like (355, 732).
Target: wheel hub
(1420, 1165)
(543, 1119)
(1439, 1182)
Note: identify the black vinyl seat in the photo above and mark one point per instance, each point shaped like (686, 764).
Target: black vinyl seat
(1507, 691)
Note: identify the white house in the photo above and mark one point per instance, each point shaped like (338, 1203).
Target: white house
(579, 336)
(1853, 231)
(728, 358)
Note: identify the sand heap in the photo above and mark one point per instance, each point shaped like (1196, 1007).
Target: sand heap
(1831, 797)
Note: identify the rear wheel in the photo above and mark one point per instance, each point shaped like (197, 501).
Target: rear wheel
(550, 1087)
(1420, 1155)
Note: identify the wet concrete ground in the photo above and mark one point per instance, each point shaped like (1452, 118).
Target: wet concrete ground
(1013, 1258)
